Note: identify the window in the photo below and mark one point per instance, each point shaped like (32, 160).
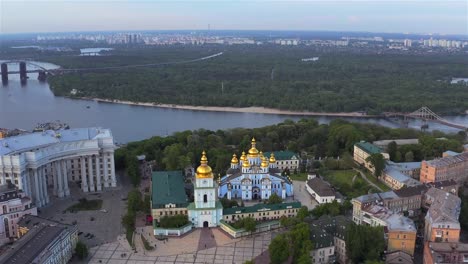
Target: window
(205, 198)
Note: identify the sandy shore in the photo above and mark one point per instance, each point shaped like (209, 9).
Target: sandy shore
(254, 109)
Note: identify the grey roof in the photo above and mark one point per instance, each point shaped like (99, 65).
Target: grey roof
(411, 191)
(445, 207)
(320, 238)
(397, 222)
(321, 187)
(335, 226)
(385, 142)
(402, 166)
(25, 142)
(449, 160)
(398, 257)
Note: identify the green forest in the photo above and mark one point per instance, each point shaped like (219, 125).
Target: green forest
(271, 76)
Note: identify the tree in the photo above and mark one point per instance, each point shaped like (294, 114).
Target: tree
(303, 213)
(249, 224)
(279, 249)
(392, 148)
(274, 199)
(377, 161)
(409, 156)
(81, 250)
(134, 201)
(301, 243)
(364, 243)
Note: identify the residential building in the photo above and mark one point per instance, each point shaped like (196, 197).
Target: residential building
(285, 159)
(320, 190)
(336, 228)
(396, 180)
(362, 150)
(411, 169)
(445, 253)
(398, 257)
(254, 177)
(446, 168)
(401, 234)
(44, 241)
(262, 212)
(383, 144)
(37, 162)
(441, 222)
(168, 197)
(13, 206)
(324, 248)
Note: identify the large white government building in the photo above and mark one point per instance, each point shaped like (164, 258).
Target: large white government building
(47, 161)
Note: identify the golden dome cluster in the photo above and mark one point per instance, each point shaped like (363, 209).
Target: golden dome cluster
(272, 158)
(264, 163)
(204, 171)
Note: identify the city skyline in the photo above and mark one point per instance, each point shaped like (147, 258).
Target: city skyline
(424, 17)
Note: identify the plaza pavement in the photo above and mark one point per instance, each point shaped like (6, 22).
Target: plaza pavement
(234, 251)
(301, 195)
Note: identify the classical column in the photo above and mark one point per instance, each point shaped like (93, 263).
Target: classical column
(98, 175)
(58, 166)
(53, 170)
(2, 172)
(65, 178)
(90, 174)
(45, 195)
(84, 181)
(106, 170)
(113, 181)
(36, 188)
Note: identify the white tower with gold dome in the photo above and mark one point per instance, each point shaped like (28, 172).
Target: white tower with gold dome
(205, 211)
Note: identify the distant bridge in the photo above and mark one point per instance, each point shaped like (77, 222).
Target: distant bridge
(426, 114)
(42, 71)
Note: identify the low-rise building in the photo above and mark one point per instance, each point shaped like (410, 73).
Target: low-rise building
(445, 253)
(362, 150)
(285, 159)
(398, 257)
(320, 190)
(44, 241)
(383, 144)
(401, 234)
(13, 205)
(450, 167)
(261, 212)
(168, 197)
(324, 248)
(396, 180)
(441, 221)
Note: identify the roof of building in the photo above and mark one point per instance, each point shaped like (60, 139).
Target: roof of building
(443, 185)
(368, 147)
(397, 175)
(398, 257)
(320, 187)
(25, 142)
(282, 155)
(335, 226)
(396, 222)
(411, 191)
(440, 247)
(444, 207)
(320, 238)
(168, 188)
(403, 166)
(449, 153)
(41, 234)
(449, 160)
(261, 207)
(385, 142)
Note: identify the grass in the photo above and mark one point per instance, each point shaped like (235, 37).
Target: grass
(342, 180)
(86, 205)
(299, 177)
(146, 244)
(375, 181)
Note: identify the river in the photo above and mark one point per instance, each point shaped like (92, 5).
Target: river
(23, 106)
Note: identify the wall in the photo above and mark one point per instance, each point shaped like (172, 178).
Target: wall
(236, 233)
(173, 231)
(401, 240)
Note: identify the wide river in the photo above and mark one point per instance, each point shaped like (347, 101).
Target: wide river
(23, 106)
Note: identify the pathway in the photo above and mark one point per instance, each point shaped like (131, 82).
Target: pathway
(363, 175)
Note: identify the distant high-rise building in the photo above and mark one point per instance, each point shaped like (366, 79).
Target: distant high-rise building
(407, 42)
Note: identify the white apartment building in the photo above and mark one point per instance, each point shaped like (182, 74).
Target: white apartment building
(46, 161)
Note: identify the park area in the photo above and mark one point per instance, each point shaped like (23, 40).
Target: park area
(347, 182)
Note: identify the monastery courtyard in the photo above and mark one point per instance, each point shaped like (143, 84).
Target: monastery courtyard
(207, 245)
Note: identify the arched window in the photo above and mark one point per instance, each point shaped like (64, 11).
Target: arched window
(205, 198)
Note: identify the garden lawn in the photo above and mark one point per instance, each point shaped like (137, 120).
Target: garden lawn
(342, 180)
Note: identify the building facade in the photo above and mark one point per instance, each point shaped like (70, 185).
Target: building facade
(262, 212)
(362, 150)
(206, 210)
(49, 160)
(285, 160)
(13, 206)
(450, 167)
(320, 190)
(445, 253)
(254, 177)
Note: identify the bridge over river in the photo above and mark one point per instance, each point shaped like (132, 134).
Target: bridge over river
(425, 114)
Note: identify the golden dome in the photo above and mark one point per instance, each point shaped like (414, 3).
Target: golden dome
(234, 159)
(272, 158)
(246, 163)
(264, 163)
(253, 152)
(204, 171)
(243, 157)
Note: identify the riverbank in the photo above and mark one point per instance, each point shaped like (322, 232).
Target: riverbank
(253, 109)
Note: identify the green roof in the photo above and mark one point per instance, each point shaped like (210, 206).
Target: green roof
(282, 155)
(368, 147)
(260, 208)
(168, 187)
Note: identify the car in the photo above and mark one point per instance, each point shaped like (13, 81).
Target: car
(103, 210)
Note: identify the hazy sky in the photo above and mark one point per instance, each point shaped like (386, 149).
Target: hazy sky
(412, 16)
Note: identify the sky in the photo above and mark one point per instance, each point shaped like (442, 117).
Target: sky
(409, 16)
